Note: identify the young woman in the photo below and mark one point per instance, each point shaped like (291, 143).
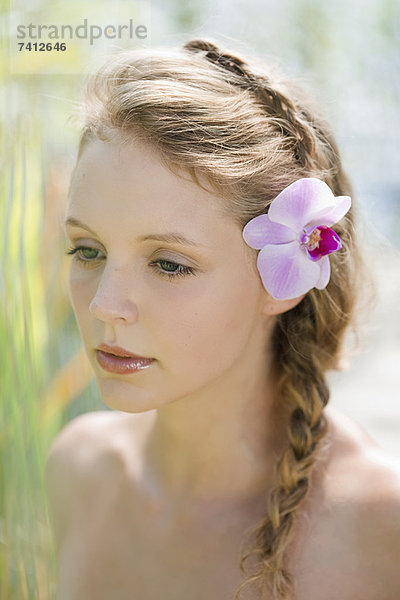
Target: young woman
(214, 274)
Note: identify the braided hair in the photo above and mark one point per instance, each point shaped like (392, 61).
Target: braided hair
(293, 124)
(249, 132)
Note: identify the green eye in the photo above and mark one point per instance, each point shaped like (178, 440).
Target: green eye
(79, 253)
(177, 271)
(163, 267)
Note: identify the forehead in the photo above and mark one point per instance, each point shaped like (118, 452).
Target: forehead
(128, 185)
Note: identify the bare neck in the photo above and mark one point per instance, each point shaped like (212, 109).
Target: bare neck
(221, 444)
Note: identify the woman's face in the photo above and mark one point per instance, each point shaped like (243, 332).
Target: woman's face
(195, 320)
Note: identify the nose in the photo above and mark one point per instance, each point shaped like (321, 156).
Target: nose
(112, 301)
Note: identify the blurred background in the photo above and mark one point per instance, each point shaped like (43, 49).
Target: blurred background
(345, 53)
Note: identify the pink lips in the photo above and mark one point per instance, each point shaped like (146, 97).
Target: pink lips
(118, 360)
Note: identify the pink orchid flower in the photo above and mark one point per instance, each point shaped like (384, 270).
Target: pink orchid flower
(295, 238)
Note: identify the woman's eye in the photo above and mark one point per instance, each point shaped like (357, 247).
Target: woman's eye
(86, 255)
(83, 254)
(172, 269)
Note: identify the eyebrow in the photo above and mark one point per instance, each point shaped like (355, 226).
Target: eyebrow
(169, 238)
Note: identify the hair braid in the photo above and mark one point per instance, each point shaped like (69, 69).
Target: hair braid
(291, 122)
(303, 390)
(302, 386)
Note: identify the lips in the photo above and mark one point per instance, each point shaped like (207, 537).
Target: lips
(122, 352)
(115, 359)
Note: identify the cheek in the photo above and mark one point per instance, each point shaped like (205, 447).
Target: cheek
(208, 329)
(81, 292)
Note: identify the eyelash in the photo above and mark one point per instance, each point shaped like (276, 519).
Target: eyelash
(85, 262)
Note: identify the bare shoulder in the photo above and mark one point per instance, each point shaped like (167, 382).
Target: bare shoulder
(83, 454)
(81, 441)
(355, 455)
(356, 524)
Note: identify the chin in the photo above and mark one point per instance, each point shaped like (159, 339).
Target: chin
(123, 396)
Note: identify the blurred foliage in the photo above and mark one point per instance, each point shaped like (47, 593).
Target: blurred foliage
(350, 49)
(42, 373)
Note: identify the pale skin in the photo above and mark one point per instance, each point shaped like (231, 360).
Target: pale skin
(152, 499)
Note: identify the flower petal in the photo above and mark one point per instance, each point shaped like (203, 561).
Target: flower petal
(261, 231)
(325, 266)
(332, 214)
(299, 203)
(286, 271)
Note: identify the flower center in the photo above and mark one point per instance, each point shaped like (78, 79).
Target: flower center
(313, 239)
(320, 241)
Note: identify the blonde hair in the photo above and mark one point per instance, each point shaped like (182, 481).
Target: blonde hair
(249, 133)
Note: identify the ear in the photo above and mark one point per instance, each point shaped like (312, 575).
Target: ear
(277, 307)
